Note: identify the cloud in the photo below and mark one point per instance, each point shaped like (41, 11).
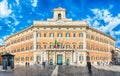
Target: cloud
(2, 42)
(4, 37)
(17, 1)
(110, 22)
(34, 3)
(104, 21)
(4, 10)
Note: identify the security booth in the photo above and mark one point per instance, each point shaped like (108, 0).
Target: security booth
(7, 61)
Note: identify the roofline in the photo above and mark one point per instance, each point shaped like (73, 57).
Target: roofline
(88, 27)
(19, 32)
(101, 32)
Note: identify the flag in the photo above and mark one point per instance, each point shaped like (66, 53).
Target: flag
(55, 43)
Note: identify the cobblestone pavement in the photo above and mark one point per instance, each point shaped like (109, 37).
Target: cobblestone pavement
(109, 67)
(83, 71)
(63, 70)
(29, 71)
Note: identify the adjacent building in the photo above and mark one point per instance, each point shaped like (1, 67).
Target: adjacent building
(1, 52)
(60, 41)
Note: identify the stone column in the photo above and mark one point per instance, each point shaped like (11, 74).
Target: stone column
(45, 56)
(78, 58)
(64, 59)
(85, 58)
(41, 57)
(34, 58)
(34, 41)
(74, 57)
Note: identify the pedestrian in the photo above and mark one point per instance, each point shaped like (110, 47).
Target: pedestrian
(44, 64)
(26, 64)
(89, 66)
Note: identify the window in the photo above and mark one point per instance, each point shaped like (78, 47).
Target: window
(27, 48)
(27, 58)
(59, 45)
(51, 46)
(67, 46)
(44, 34)
(74, 35)
(88, 47)
(92, 37)
(26, 37)
(81, 58)
(22, 49)
(38, 58)
(67, 34)
(51, 35)
(31, 58)
(38, 35)
(74, 46)
(31, 47)
(38, 46)
(22, 39)
(59, 16)
(81, 35)
(92, 47)
(87, 36)
(100, 39)
(18, 50)
(81, 46)
(96, 38)
(92, 57)
(22, 58)
(31, 36)
(44, 46)
(59, 35)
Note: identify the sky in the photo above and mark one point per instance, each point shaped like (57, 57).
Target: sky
(16, 15)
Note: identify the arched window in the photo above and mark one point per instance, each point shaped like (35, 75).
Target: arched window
(67, 45)
(59, 16)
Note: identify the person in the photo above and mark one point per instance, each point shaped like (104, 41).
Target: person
(89, 66)
(44, 64)
(26, 64)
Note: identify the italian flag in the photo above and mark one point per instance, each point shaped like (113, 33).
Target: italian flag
(55, 43)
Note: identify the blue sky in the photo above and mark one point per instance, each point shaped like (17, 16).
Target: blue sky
(16, 15)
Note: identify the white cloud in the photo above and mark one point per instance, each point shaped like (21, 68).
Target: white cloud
(4, 10)
(96, 24)
(109, 23)
(34, 3)
(16, 22)
(4, 37)
(17, 1)
(2, 42)
(117, 32)
(103, 14)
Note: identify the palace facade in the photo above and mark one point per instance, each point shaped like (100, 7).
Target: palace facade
(60, 41)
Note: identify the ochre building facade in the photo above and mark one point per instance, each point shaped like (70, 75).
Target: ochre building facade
(1, 52)
(60, 41)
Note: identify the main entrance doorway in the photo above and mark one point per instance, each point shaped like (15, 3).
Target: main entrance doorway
(59, 59)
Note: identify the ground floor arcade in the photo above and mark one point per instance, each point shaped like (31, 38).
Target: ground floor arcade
(62, 56)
